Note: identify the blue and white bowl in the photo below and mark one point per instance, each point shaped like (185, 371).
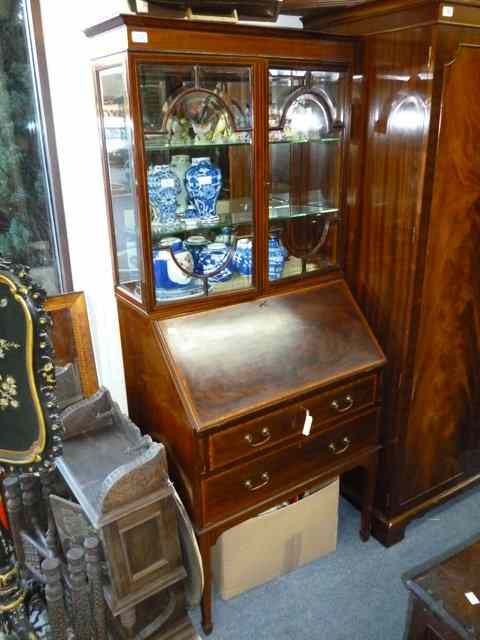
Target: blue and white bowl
(211, 257)
(276, 258)
(163, 189)
(167, 273)
(243, 257)
(203, 181)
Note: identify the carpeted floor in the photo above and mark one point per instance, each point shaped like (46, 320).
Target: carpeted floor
(355, 593)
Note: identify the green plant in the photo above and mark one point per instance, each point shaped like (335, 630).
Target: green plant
(23, 197)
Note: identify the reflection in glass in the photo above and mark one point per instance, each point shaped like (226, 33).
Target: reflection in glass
(305, 134)
(119, 159)
(27, 221)
(197, 124)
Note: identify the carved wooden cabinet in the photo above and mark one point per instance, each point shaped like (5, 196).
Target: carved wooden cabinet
(120, 481)
(244, 350)
(414, 244)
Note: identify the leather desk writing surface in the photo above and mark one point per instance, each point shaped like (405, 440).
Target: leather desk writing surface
(232, 361)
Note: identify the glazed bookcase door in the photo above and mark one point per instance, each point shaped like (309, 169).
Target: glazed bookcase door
(306, 131)
(117, 140)
(199, 161)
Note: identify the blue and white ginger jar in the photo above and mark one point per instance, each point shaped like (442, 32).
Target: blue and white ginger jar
(203, 181)
(276, 258)
(163, 189)
(211, 257)
(243, 257)
(167, 273)
(196, 244)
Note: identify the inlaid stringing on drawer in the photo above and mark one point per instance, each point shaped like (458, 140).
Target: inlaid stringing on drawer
(340, 401)
(246, 484)
(258, 435)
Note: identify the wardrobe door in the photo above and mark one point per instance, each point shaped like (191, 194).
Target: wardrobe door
(443, 433)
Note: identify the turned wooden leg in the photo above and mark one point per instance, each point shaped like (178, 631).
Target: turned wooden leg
(368, 496)
(204, 543)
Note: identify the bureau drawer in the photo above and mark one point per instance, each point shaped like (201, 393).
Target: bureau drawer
(260, 434)
(340, 401)
(230, 492)
(252, 436)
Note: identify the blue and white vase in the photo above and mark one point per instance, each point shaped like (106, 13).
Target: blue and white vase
(211, 257)
(276, 258)
(163, 190)
(167, 273)
(195, 244)
(243, 257)
(203, 182)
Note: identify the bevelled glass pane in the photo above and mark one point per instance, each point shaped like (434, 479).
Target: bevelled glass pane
(305, 136)
(197, 123)
(27, 223)
(122, 187)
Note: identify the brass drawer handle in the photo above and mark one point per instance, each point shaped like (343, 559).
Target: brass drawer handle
(265, 478)
(349, 402)
(346, 443)
(265, 432)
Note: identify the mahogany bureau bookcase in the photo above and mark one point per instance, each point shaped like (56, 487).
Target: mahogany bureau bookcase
(414, 244)
(244, 350)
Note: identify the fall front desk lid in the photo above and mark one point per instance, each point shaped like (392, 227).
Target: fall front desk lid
(233, 361)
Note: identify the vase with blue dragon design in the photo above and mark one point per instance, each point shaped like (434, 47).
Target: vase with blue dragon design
(203, 181)
(163, 190)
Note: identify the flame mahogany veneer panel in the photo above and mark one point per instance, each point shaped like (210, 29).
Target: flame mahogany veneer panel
(445, 406)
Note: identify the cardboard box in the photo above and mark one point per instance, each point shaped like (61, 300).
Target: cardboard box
(276, 542)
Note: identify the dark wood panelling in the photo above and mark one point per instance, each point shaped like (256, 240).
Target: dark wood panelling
(445, 407)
